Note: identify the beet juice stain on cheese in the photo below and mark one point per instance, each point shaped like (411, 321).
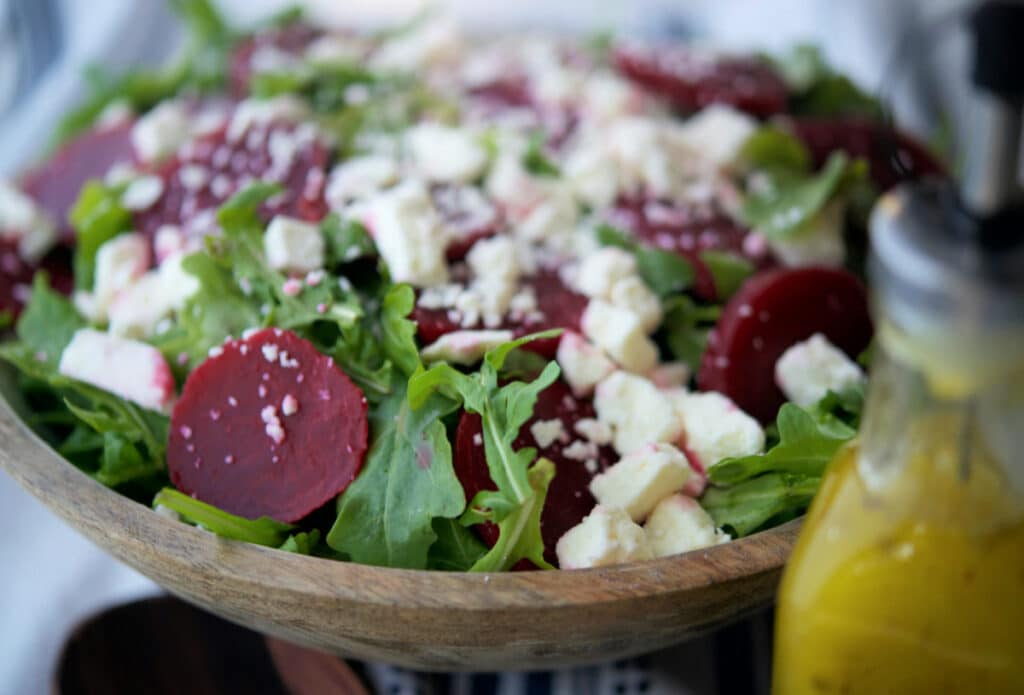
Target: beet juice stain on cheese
(909, 573)
(416, 300)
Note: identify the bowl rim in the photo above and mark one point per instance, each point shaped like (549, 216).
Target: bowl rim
(128, 529)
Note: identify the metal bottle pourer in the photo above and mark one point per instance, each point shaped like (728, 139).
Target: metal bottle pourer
(947, 264)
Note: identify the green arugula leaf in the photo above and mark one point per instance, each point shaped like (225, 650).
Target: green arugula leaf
(346, 241)
(772, 149)
(97, 217)
(745, 508)
(503, 411)
(685, 328)
(385, 517)
(324, 85)
(666, 273)
(818, 89)
(728, 271)
(788, 203)
(48, 323)
(535, 159)
(305, 543)
(263, 531)
(122, 462)
(806, 446)
(456, 549)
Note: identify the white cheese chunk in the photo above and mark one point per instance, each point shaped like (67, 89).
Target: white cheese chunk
(718, 133)
(293, 245)
(408, 233)
(601, 270)
(607, 96)
(637, 411)
(605, 537)
(130, 369)
(161, 131)
(592, 175)
(444, 154)
(286, 108)
(552, 220)
(678, 525)
(142, 193)
(633, 294)
(23, 221)
(620, 332)
(120, 262)
(671, 375)
(547, 432)
(807, 371)
(642, 479)
(583, 365)
(716, 429)
(359, 177)
(136, 311)
(821, 243)
(464, 347)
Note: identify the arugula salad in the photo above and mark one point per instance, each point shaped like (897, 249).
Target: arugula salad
(419, 299)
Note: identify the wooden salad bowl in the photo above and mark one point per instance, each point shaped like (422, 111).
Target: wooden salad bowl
(418, 619)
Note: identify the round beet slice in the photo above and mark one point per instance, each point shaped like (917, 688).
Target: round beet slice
(267, 427)
(894, 156)
(688, 230)
(290, 40)
(569, 498)
(557, 307)
(691, 79)
(56, 183)
(208, 171)
(772, 312)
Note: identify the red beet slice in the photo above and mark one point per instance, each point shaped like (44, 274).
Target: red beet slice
(691, 80)
(16, 275)
(211, 169)
(569, 499)
(56, 183)
(894, 156)
(291, 40)
(269, 427)
(769, 314)
(468, 214)
(689, 230)
(557, 307)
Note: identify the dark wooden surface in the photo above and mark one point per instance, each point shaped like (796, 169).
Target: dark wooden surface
(163, 646)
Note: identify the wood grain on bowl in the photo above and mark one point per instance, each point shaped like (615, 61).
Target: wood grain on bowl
(424, 620)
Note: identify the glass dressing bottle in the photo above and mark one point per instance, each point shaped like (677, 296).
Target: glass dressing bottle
(908, 576)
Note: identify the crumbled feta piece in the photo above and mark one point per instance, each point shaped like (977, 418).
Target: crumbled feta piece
(464, 347)
(444, 154)
(583, 365)
(511, 185)
(718, 133)
(293, 245)
(130, 369)
(161, 131)
(807, 371)
(551, 220)
(138, 310)
(633, 294)
(22, 220)
(638, 146)
(408, 233)
(716, 429)
(436, 42)
(142, 193)
(547, 432)
(637, 412)
(168, 241)
(620, 332)
(600, 271)
(359, 177)
(642, 479)
(678, 525)
(607, 96)
(253, 112)
(592, 175)
(594, 431)
(495, 258)
(821, 243)
(120, 262)
(605, 537)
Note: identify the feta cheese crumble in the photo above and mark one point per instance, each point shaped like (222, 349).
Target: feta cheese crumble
(807, 371)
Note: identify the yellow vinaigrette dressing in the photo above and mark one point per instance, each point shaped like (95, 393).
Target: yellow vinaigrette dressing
(908, 576)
